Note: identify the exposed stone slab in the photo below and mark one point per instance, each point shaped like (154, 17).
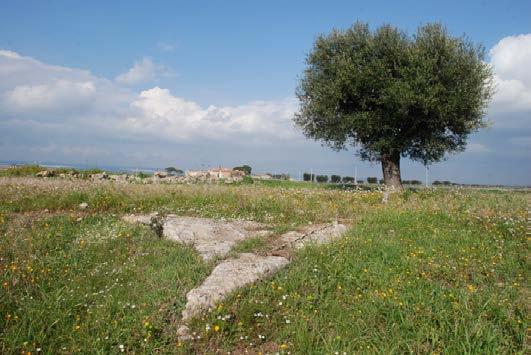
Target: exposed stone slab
(139, 218)
(228, 276)
(313, 234)
(208, 236)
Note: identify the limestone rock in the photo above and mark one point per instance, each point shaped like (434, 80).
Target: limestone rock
(208, 236)
(228, 276)
(45, 173)
(314, 234)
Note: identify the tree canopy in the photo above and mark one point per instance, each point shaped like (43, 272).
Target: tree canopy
(391, 95)
(245, 168)
(174, 171)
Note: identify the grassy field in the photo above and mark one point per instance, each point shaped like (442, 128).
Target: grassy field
(432, 271)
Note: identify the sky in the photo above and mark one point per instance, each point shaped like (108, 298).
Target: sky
(209, 83)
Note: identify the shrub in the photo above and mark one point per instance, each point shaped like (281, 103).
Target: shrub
(335, 179)
(372, 180)
(308, 177)
(281, 176)
(322, 178)
(348, 179)
(22, 170)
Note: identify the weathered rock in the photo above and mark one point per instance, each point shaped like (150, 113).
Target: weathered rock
(228, 276)
(314, 234)
(208, 236)
(119, 178)
(101, 176)
(45, 173)
(140, 218)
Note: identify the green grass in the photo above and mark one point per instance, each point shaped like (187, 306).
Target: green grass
(91, 286)
(398, 282)
(32, 170)
(434, 270)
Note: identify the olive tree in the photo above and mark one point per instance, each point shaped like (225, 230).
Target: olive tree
(390, 95)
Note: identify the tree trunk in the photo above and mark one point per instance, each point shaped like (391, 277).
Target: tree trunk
(391, 170)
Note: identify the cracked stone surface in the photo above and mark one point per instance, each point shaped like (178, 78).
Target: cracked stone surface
(208, 236)
(226, 277)
(215, 238)
(139, 218)
(313, 234)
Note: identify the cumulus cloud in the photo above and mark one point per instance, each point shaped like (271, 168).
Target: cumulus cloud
(36, 98)
(159, 112)
(144, 71)
(511, 60)
(36, 90)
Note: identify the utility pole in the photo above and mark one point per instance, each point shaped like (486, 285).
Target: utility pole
(355, 175)
(427, 176)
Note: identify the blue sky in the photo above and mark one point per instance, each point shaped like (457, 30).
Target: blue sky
(210, 82)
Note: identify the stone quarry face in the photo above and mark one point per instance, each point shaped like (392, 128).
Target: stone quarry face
(210, 237)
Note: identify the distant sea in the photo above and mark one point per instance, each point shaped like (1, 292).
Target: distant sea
(124, 169)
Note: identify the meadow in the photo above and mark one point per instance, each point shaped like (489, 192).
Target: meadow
(436, 270)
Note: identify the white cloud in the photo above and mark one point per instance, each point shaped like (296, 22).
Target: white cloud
(159, 112)
(142, 72)
(36, 90)
(511, 57)
(511, 60)
(65, 94)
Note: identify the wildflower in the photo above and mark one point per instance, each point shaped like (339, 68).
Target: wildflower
(122, 348)
(217, 328)
(283, 346)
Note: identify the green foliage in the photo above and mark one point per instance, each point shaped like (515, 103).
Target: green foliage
(392, 95)
(247, 180)
(348, 179)
(445, 183)
(308, 177)
(21, 170)
(281, 176)
(174, 171)
(335, 179)
(372, 180)
(142, 175)
(321, 178)
(412, 182)
(245, 168)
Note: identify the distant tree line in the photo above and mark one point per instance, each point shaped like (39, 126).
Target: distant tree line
(337, 179)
